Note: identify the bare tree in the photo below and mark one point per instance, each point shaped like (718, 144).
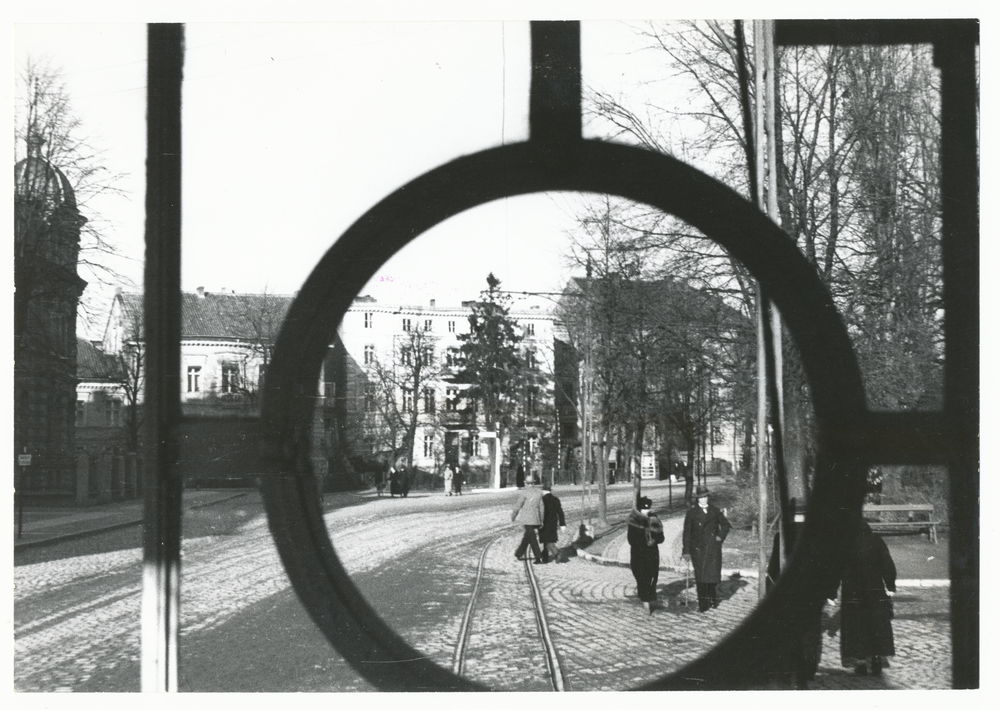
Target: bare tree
(398, 391)
(46, 128)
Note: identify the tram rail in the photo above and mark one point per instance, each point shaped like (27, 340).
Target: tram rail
(541, 622)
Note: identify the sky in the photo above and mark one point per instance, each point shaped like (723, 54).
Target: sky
(293, 130)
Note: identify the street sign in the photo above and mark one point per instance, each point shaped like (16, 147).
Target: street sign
(487, 435)
(24, 459)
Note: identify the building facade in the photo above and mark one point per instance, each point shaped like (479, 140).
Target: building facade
(47, 289)
(396, 368)
(390, 389)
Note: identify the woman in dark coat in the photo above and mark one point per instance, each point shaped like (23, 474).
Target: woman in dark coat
(394, 488)
(645, 533)
(866, 609)
(705, 529)
(553, 520)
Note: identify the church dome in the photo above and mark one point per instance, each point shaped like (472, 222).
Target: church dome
(36, 178)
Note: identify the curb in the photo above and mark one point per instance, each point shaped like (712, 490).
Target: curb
(106, 528)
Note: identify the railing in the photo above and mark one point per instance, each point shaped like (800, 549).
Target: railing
(556, 157)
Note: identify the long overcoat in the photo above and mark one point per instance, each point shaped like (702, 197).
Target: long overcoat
(866, 609)
(704, 533)
(552, 519)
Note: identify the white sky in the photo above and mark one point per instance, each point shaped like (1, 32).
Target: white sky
(292, 131)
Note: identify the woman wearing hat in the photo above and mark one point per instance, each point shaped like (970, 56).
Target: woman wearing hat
(645, 533)
(705, 529)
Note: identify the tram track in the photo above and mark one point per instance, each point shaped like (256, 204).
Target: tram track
(462, 646)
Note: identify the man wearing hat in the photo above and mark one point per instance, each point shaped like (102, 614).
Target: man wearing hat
(705, 529)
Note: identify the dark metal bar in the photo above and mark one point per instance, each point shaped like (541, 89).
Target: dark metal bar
(555, 82)
(960, 256)
(903, 438)
(162, 531)
(872, 32)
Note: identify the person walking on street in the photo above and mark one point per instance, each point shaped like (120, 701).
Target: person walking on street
(457, 480)
(688, 472)
(868, 584)
(404, 481)
(530, 512)
(448, 478)
(645, 533)
(705, 529)
(553, 521)
(394, 488)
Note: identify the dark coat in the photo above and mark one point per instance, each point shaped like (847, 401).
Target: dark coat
(645, 534)
(704, 533)
(866, 609)
(394, 487)
(552, 519)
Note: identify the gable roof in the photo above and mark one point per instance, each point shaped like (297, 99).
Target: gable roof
(93, 364)
(222, 316)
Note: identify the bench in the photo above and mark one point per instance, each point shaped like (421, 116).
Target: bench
(909, 517)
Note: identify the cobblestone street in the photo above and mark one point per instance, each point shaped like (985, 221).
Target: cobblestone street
(77, 615)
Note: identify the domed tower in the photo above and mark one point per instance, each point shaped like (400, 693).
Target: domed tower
(47, 291)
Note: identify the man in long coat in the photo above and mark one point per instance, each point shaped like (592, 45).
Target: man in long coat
(866, 609)
(553, 521)
(530, 512)
(705, 529)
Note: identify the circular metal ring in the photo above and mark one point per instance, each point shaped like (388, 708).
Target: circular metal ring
(660, 181)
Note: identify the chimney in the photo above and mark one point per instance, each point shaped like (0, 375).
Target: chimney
(201, 291)
(433, 303)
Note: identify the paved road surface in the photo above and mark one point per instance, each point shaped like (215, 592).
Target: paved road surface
(77, 606)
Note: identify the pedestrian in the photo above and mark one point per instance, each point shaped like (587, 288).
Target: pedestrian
(645, 533)
(457, 480)
(404, 481)
(530, 512)
(866, 591)
(705, 529)
(519, 477)
(688, 472)
(394, 488)
(448, 477)
(553, 521)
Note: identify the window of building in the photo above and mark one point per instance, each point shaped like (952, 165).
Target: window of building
(407, 399)
(428, 400)
(194, 378)
(474, 444)
(428, 446)
(530, 397)
(330, 390)
(407, 325)
(368, 320)
(369, 354)
(406, 357)
(229, 382)
(530, 357)
(451, 326)
(81, 413)
(112, 412)
(428, 325)
(369, 396)
(261, 369)
(453, 357)
(529, 328)
(451, 399)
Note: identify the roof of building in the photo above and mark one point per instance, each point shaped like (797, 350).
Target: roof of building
(686, 301)
(93, 364)
(226, 316)
(36, 177)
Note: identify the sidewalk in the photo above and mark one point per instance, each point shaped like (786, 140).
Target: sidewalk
(919, 563)
(43, 526)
